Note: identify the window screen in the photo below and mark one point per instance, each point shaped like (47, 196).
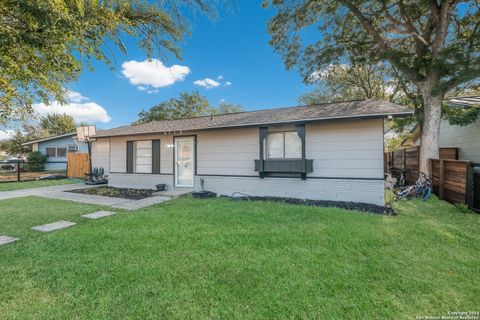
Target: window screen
(142, 156)
(50, 152)
(61, 152)
(284, 145)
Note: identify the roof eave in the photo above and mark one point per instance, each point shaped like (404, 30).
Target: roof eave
(49, 138)
(349, 117)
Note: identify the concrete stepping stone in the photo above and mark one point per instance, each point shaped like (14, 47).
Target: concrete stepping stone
(98, 214)
(6, 240)
(54, 226)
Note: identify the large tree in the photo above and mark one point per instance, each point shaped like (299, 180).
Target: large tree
(342, 82)
(25, 133)
(185, 106)
(57, 124)
(433, 44)
(45, 44)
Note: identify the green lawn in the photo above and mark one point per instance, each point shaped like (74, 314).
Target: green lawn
(210, 259)
(9, 186)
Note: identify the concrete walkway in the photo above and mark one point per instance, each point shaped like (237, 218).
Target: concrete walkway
(58, 192)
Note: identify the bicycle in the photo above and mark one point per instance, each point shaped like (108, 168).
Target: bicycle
(422, 186)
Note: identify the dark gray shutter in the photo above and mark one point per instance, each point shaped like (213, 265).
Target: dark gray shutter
(155, 156)
(129, 156)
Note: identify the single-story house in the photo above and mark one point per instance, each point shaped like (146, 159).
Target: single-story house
(56, 148)
(465, 138)
(326, 152)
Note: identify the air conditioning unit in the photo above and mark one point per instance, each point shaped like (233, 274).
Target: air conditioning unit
(72, 147)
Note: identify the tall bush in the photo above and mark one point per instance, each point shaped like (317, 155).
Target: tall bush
(35, 161)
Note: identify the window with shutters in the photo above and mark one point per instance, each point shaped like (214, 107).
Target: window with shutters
(142, 156)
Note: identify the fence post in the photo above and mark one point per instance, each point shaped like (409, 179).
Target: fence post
(441, 179)
(469, 186)
(404, 159)
(18, 171)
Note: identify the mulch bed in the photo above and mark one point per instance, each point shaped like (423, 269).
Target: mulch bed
(354, 206)
(125, 193)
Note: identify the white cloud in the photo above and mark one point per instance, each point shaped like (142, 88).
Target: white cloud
(5, 134)
(78, 106)
(74, 96)
(220, 77)
(207, 83)
(152, 74)
(227, 84)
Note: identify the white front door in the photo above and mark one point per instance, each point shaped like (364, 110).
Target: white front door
(184, 161)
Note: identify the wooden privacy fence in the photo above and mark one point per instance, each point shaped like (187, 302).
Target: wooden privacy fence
(409, 159)
(452, 180)
(78, 164)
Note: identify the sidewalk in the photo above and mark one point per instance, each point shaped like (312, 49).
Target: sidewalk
(58, 192)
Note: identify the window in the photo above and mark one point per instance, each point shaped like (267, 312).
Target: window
(61, 152)
(142, 156)
(51, 152)
(283, 145)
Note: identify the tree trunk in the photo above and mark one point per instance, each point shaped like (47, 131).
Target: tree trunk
(430, 128)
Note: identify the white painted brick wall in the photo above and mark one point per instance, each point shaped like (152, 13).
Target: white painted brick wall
(139, 180)
(368, 191)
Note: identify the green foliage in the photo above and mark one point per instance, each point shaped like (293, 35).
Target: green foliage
(45, 44)
(35, 161)
(50, 125)
(26, 133)
(224, 107)
(57, 124)
(34, 184)
(185, 106)
(433, 47)
(423, 41)
(223, 259)
(394, 142)
(460, 116)
(340, 82)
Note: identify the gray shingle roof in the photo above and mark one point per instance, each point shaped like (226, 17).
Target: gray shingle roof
(327, 111)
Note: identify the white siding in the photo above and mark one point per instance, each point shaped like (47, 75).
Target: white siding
(467, 138)
(101, 154)
(339, 149)
(348, 163)
(346, 149)
(118, 152)
(227, 152)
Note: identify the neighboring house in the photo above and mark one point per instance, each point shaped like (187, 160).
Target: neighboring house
(56, 148)
(6, 156)
(465, 138)
(327, 151)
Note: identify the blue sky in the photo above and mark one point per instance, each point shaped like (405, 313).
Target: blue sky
(235, 47)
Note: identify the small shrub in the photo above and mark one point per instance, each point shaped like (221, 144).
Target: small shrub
(35, 161)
